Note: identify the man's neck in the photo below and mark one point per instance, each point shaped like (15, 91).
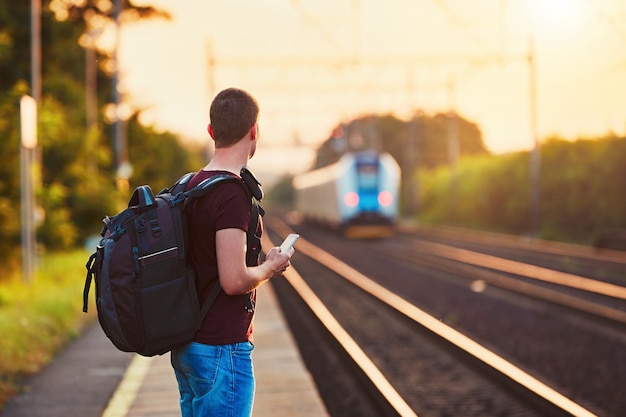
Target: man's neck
(230, 159)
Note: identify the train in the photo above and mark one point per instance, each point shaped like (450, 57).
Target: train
(357, 195)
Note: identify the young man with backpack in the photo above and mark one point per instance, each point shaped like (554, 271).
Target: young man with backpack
(214, 371)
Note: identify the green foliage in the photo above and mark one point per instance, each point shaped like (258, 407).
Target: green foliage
(419, 143)
(39, 318)
(581, 191)
(57, 231)
(582, 187)
(157, 158)
(428, 135)
(75, 173)
(281, 193)
(9, 176)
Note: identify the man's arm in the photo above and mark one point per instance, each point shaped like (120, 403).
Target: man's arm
(235, 276)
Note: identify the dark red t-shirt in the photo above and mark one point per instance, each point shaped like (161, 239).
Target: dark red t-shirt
(226, 206)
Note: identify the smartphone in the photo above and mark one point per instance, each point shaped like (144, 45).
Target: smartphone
(289, 242)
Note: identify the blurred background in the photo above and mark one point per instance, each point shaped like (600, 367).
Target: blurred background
(313, 63)
(504, 115)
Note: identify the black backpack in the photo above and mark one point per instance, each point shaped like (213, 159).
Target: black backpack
(145, 289)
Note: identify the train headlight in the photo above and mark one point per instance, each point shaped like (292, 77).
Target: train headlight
(385, 198)
(351, 199)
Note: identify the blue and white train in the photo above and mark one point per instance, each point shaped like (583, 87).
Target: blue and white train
(358, 194)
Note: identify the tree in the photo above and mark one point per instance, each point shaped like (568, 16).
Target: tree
(9, 176)
(158, 159)
(76, 181)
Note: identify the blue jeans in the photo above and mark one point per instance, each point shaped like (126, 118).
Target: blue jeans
(214, 381)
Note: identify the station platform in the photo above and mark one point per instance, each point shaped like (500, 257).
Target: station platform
(284, 386)
(127, 385)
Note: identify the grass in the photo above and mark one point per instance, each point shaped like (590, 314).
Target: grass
(39, 318)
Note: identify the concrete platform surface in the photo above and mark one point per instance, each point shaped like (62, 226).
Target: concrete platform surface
(91, 378)
(284, 386)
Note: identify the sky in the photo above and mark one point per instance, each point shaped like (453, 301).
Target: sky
(315, 63)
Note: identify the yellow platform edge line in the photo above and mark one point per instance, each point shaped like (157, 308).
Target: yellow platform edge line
(126, 392)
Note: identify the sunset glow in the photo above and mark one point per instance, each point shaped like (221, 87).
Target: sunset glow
(313, 64)
(561, 14)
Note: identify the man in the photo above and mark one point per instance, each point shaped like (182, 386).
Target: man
(214, 371)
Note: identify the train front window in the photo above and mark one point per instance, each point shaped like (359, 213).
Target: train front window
(368, 185)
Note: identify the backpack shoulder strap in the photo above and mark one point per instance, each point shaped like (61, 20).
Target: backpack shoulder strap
(181, 184)
(252, 184)
(205, 186)
(179, 194)
(200, 190)
(210, 299)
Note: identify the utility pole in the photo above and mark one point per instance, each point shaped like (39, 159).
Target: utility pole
(453, 131)
(91, 82)
(28, 133)
(35, 50)
(409, 174)
(452, 127)
(28, 151)
(123, 168)
(535, 158)
(91, 99)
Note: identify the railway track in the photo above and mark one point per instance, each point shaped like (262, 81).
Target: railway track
(600, 299)
(601, 264)
(468, 349)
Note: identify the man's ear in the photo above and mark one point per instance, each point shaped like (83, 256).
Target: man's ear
(253, 132)
(210, 130)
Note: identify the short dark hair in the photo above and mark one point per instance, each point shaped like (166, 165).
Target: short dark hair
(233, 112)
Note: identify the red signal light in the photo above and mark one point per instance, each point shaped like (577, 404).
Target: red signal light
(385, 198)
(351, 199)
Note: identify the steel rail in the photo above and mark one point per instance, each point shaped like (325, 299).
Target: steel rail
(452, 336)
(517, 242)
(350, 346)
(497, 279)
(519, 268)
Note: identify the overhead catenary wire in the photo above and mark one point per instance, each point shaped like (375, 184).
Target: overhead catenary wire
(456, 20)
(608, 18)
